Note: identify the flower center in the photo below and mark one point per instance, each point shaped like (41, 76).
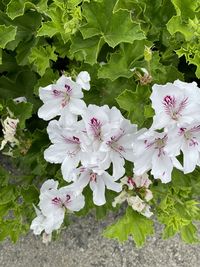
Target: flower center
(189, 135)
(56, 201)
(172, 108)
(158, 143)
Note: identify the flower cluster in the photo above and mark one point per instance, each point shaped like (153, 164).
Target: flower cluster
(177, 112)
(52, 206)
(93, 142)
(86, 141)
(137, 193)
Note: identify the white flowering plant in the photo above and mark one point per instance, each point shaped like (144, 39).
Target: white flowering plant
(100, 112)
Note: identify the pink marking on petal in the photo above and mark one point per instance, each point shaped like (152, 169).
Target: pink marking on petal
(56, 201)
(56, 92)
(68, 197)
(173, 108)
(131, 181)
(93, 177)
(68, 89)
(95, 126)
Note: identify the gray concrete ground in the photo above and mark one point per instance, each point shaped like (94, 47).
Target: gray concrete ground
(82, 245)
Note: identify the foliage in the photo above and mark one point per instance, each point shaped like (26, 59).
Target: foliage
(112, 40)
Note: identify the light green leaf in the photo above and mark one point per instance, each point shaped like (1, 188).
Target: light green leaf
(132, 223)
(176, 24)
(48, 29)
(185, 8)
(189, 233)
(41, 57)
(17, 8)
(113, 27)
(7, 34)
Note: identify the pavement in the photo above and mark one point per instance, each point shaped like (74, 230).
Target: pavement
(82, 245)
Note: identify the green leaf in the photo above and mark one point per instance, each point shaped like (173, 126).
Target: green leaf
(7, 34)
(85, 50)
(189, 233)
(132, 223)
(30, 194)
(22, 85)
(176, 24)
(113, 27)
(63, 20)
(17, 8)
(0, 56)
(22, 111)
(4, 176)
(41, 57)
(48, 78)
(6, 194)
(27, 26)
(135, 103)
(122, 61)
(185, 8)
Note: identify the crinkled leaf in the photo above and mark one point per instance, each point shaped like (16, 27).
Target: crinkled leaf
(132, 223)
(17, 8)
(189, 233)
(134, 103)
(41, 57)
(113, 27)
(122, 60)
(85, 50)
(7, 34)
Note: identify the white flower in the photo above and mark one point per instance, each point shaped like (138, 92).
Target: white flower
(53, 203)
(9, 131)
(187, 140)
(69, 144)
(117, 146)
(111, 136)
(176, 103)
(150, 153)
(97, 182)
(64, 96)
(83, 79)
